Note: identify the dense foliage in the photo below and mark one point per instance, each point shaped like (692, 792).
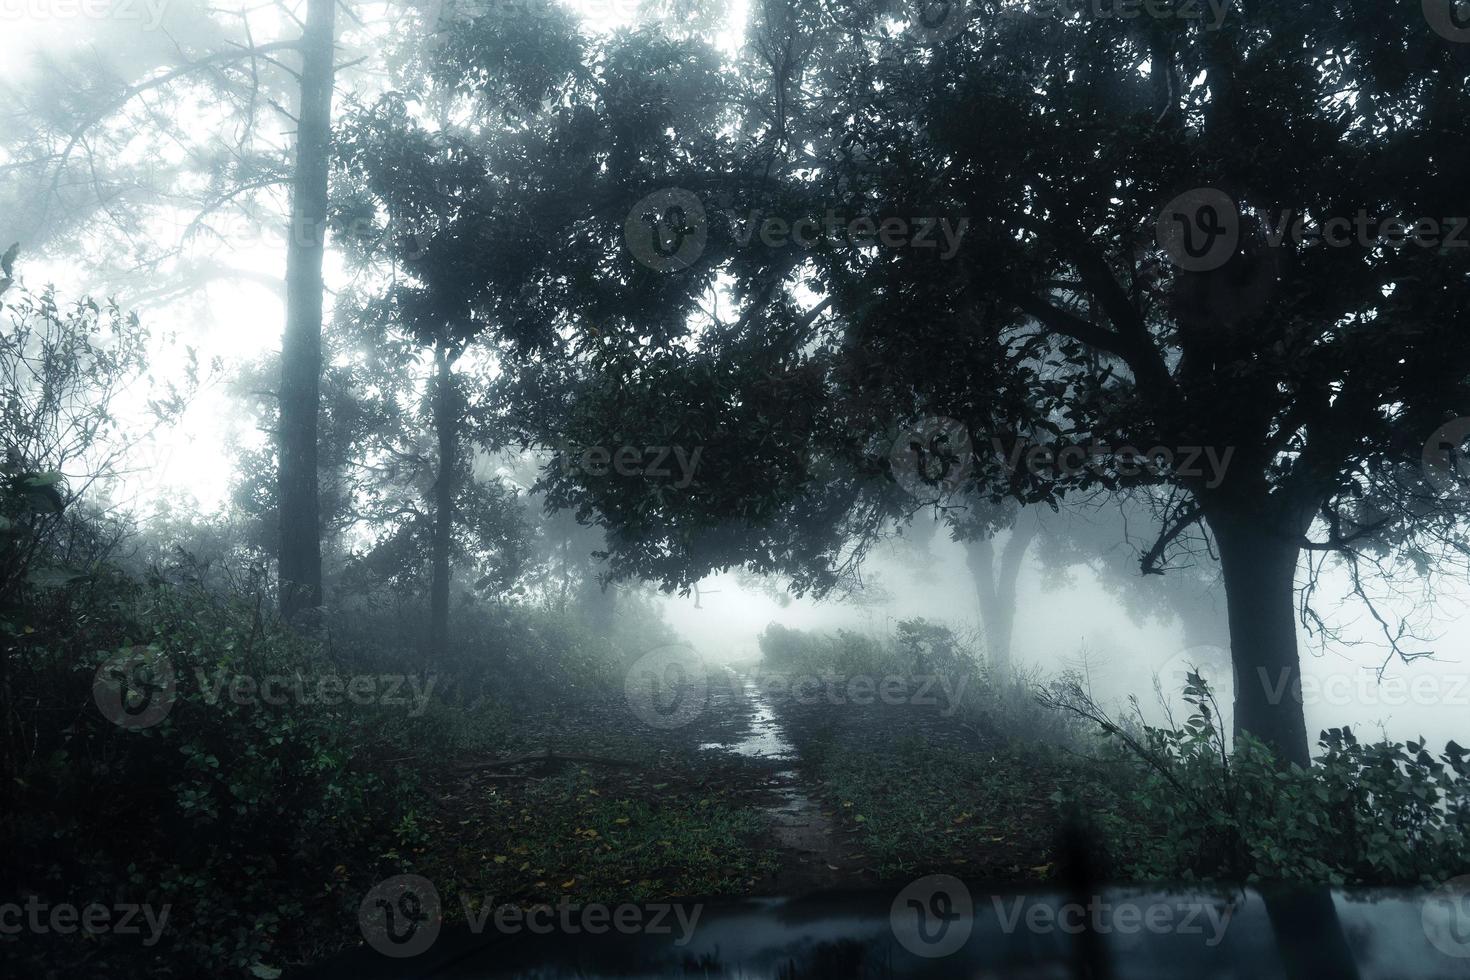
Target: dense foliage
(1361, 813)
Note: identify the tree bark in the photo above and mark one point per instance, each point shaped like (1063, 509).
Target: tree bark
(299, 556)
(995, 588)
(1258, 557)
(446, 427)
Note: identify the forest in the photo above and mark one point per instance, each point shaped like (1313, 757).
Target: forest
(734, 488)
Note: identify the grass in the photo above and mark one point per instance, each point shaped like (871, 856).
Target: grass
(919, 808)
(673, 824)
(594, 838)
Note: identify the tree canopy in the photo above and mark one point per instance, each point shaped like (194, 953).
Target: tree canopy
(793, 258)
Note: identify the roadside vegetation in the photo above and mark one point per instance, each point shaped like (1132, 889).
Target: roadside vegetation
(992, 784)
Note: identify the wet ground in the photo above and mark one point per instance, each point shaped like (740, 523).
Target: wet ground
(782, 733)
(806, 834)
(791, 792)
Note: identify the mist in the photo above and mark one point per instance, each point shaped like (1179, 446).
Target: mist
(610, 487)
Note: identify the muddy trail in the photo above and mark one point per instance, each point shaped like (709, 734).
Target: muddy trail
(778, 735)
(811, 852)
(742, 788)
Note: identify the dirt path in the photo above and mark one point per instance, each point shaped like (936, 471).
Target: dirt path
(756, 794)
(812, 855)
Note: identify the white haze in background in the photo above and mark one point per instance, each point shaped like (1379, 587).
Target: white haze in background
(240, 321)
(1082, 626)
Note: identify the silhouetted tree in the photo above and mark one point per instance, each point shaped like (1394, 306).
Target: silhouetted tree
(668, 310)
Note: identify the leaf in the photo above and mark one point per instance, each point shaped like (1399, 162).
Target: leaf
(45, 498)
(7, 261)
(265, 972)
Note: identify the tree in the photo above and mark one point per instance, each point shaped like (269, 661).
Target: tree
(299, 553)
(996, 574)
(77, 186)
(68, 370)
(420, 190)
(1058, 316)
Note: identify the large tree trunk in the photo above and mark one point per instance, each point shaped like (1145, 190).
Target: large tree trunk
(300, 555)
(1258, 556)
(995, 587)
(446, 427)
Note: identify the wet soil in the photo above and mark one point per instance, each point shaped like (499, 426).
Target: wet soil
(814, 853)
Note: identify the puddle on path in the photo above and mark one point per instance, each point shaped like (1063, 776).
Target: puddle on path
(797, 820)
(766, 739)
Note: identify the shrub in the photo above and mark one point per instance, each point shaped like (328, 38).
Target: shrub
(1381, 813)
(220, 809)
(916, 647)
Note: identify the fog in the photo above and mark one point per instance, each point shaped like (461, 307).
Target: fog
(441, 438)
(1081, 626)
(229, 313)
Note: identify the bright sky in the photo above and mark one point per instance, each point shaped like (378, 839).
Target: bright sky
(233, 321)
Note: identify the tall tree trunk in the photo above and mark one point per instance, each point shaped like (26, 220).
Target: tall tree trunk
(300, 555)
(980, 557)
(1258, 556)
(446, 427)
(597, 604)
(995, 587)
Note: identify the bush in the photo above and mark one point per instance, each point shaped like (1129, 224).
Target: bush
(1381, 813)
(782, 646)
(916, 647)
(220, 809)
(515, 656)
